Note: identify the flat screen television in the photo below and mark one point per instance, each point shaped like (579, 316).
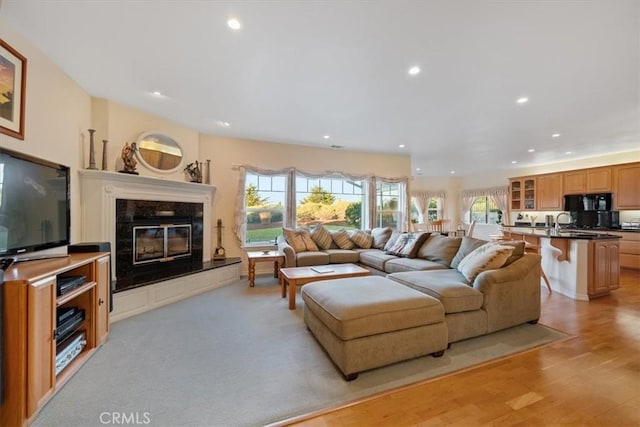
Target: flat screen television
(34, 204)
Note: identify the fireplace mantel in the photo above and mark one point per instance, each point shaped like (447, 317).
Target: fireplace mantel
(100, 189)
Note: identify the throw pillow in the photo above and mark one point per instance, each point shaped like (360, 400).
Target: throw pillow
(398, 244)
(413, 244)
(341, 237)
(299, 239)
(321, 237)
(518, 250)
(440, 249)
(381, 236)
(487, 257)
(468, 245)
(361, 238)
(392, 240)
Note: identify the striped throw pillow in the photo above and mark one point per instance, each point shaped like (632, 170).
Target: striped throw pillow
(321, 237)
(299, 239)
(341, 237)
(361, 238)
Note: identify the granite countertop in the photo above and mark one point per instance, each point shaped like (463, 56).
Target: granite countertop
(564, 233)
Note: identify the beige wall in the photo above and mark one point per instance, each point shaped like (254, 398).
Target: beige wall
(224, 153)
(56, 117)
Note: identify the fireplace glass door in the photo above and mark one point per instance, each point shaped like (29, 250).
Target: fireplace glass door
(158, 243)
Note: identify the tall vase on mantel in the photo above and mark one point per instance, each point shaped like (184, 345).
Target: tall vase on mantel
(104, 154)
(92, 150)
(207, 176)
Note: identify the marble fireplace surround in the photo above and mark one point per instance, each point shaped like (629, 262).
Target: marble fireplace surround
(99, 191)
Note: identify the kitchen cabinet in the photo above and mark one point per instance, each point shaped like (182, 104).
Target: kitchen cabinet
(583, 181)
(604, 264)
(522, 193)
(549, 192)
(629, 248)
(626, 186)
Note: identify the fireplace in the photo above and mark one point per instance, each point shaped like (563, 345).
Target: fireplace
(156, 240)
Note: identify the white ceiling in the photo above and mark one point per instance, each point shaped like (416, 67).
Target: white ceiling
(298, 70)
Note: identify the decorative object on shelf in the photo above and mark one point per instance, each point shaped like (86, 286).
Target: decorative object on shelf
(92, 150)
(15, 72)
(104, 154)
(207, 176)
(194, 171)
(219, 253)
(159, 152)
(129, 163)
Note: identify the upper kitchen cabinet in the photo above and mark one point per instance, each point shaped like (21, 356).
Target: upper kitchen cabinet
(522, 192)
(549, 192)
(626, 186)
(596, 180)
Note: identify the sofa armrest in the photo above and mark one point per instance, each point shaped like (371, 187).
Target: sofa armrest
(511, 293)
(287, 250)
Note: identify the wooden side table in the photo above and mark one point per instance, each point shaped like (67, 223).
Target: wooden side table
(271, 256)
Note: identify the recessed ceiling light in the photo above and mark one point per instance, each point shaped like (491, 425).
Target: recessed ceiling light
(224, 124)
(414, 71)
(567, 152)
(555, 135)
(157, 93)
(452, 172)
(234, 24)
(531, 150)
(401, 145)
(522, 100)
(418, 169)
(326, 136)
(514, 161)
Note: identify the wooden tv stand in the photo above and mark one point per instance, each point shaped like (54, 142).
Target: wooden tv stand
(29, 327)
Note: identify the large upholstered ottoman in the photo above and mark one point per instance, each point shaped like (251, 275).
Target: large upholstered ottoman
(368, 322)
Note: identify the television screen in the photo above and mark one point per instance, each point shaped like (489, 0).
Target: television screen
(34, 204)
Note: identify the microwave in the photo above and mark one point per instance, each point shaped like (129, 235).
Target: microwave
(588, 202)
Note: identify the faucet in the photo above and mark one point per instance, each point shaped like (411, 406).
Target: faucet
(557, 228)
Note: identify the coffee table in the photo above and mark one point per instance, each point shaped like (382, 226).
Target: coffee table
(294, 276)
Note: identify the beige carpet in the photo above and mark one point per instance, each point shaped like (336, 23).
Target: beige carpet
(236, 356)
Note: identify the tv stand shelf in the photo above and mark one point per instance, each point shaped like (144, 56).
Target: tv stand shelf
(29, 324)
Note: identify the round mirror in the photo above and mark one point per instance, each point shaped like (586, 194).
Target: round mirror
(159, 152)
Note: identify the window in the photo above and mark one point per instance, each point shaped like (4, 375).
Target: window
(389, 203)
(333, 202)
(485, 211)
(432, 211)
(265, 207)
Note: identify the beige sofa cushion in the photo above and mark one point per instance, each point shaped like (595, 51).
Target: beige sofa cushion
(322, 237)
(299, 239)
(375, 258)
(307, 258)
(487, 257)
(439, 248)
(411, 264)
(364, 306)
(341, 256)
(447, 285)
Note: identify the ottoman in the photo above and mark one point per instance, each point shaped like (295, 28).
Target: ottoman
(368, 322)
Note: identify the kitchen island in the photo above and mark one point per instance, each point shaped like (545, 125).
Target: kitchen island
(578, 264)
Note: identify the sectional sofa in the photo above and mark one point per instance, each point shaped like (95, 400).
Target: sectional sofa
(483, 287)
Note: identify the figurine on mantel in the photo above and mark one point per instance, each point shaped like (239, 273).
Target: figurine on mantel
(194, 171)
(128, 151)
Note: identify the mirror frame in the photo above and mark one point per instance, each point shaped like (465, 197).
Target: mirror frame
(146, 164)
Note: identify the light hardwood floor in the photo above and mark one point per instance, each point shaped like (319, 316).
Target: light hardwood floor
(591, 379)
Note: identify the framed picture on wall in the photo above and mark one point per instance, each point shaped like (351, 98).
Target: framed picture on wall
(13, 75)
